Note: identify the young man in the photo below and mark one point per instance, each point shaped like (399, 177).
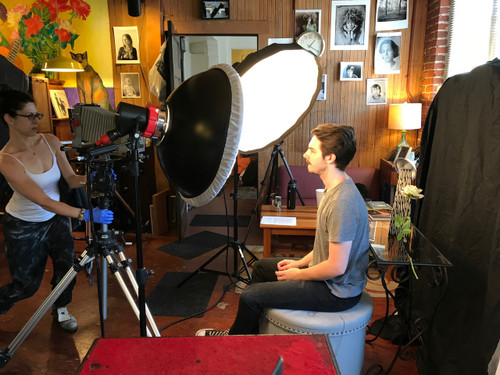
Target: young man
(333, 275)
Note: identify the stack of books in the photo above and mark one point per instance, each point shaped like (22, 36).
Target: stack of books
(379, 211)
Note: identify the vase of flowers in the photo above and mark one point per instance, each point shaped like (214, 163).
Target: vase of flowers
(47, 27)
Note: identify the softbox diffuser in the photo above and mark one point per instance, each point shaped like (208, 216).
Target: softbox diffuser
(200, 146)
(280, 85)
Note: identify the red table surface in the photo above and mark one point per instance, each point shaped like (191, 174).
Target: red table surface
(302, 354)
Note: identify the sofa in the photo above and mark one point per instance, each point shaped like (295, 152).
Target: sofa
(307, 183)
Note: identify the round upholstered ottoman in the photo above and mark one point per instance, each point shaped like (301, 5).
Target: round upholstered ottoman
(346, 329)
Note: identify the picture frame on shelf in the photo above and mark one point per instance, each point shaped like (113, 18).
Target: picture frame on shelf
(59, 103)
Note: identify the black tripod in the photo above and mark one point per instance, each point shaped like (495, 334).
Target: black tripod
(272, 170)
(103, 243)
(238, 247)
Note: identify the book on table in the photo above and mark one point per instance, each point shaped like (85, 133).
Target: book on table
(379, 210)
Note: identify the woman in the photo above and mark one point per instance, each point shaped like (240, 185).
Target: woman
(35, 223)
(389, 51)
(127, 51)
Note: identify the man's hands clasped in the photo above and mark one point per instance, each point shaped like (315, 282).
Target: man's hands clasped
(288, 270)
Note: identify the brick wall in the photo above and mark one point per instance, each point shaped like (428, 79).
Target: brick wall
(435, 50)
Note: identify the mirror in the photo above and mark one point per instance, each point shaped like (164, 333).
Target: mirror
(200, 52)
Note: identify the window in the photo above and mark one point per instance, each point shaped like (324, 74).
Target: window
(474, 35)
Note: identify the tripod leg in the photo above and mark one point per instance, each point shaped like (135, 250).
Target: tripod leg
(6, 355)
(282, 154)
(133, 281)
(114, 269)
(202, 267)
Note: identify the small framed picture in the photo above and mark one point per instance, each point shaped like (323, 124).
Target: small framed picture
(322, 92)
(126, 45)
(60, 103)
(391, 17)
(350, 24)
(351, 71)
(387, 53)
(376, 91)
(130, 85)
(307, 20)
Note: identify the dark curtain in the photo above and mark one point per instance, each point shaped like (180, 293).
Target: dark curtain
(459, 172)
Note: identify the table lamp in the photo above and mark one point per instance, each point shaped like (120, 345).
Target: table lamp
(405, 116)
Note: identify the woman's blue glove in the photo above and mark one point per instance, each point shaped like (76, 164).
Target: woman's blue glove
(100, 216)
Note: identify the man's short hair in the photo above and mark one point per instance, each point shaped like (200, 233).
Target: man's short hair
(339, 140)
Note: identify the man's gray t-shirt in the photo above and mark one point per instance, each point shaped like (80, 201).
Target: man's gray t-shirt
(343, 217)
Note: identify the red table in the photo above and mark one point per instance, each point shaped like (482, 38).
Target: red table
(302, 354)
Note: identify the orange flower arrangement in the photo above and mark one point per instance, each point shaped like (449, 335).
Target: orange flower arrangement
(43, 32)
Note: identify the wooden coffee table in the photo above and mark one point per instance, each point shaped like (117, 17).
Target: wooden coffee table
(306, 224)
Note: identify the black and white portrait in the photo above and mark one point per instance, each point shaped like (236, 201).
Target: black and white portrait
(391, 15)
(322, 92)
(350, 24)
(376, 91)
(387, 58)
(307, 20)
(126, 45)
(130, 85)
(351, 71)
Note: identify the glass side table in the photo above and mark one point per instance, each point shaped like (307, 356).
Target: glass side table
(403, 259)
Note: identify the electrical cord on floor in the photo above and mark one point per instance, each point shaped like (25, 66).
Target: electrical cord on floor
(226, 288)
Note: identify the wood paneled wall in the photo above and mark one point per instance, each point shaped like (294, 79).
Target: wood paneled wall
(345, 102)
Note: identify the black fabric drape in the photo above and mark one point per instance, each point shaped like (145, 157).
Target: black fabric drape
(459, 172)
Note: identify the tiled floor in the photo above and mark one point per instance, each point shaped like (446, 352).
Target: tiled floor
(48, 350)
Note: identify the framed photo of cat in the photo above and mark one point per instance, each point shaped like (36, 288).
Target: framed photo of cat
(126, 45)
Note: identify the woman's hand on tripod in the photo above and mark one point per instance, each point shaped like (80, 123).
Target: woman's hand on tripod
(100, 216)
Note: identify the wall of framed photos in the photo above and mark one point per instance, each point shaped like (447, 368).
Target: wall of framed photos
(345, 101)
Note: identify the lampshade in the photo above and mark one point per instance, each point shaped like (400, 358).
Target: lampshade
(405, 116)
(62, 64)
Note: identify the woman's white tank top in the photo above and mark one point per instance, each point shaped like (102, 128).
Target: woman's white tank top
(22, 208)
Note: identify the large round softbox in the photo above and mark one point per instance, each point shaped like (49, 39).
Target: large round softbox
(200, 146)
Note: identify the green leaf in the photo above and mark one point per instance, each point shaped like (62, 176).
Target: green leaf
(398, 220)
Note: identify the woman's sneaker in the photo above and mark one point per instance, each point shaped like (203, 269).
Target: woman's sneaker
(211, 332)
(66, 321)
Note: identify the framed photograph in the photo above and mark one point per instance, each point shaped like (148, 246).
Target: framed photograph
(351, 71)
(126, 45)
(307, 20)
(350, 24)
(391, 15)
(387, 58)
(322, 92)
(376, 91)
(60, 103)
(130, 85)
(215, 10)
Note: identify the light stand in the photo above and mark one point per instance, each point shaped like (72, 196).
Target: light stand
(272, 170)
(239, 248)
(102, 243)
